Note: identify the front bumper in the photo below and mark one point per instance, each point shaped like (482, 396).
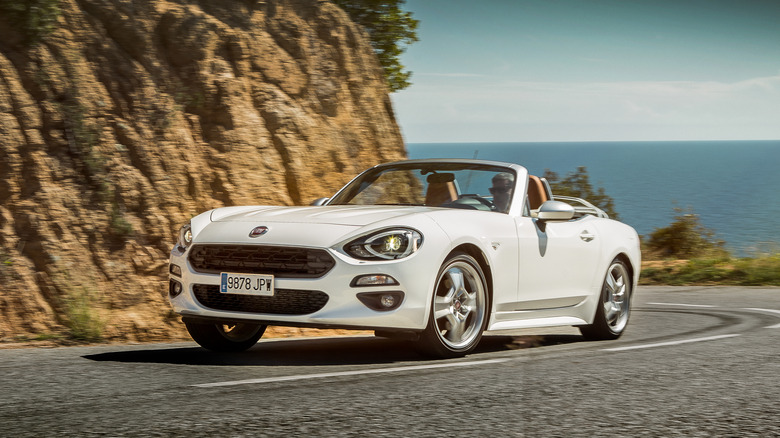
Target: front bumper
(325, 302)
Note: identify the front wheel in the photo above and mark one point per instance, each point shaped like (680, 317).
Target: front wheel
(459, 311)
(232, 337)
(614, 305)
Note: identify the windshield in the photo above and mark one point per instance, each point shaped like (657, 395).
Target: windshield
(447, 185)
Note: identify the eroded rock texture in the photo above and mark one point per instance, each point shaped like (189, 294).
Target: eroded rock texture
(134, 115)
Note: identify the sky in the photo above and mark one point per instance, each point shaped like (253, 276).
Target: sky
(592, 70)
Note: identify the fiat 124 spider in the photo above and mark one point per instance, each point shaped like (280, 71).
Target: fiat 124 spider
(436, 251)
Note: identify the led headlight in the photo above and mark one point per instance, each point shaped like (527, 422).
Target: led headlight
(385, 245)
(185, 236)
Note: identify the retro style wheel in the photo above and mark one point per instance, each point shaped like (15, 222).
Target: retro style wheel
(459, 309)
(614, 306)
(225, 337)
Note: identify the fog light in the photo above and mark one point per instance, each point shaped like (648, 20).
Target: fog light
(387, 301)
(374, 280)
(381, 301)
(174, 288)
(175, 270)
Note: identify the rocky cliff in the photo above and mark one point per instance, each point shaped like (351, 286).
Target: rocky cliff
(134, 115)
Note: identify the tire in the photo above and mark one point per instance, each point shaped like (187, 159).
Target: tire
(225, 337)
(459, 309)
(614, 305)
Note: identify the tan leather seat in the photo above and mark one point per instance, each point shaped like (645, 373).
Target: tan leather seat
(536, 193)
(440, 193)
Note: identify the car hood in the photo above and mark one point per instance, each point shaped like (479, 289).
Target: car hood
(304, 226)
(349, 215)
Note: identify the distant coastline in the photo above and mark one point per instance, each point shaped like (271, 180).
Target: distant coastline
(731, 185)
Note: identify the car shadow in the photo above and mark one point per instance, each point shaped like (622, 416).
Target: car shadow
(318, 352)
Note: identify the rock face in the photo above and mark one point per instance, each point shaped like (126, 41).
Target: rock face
(135, 115)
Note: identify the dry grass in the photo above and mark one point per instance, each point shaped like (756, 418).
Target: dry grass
(762, 270)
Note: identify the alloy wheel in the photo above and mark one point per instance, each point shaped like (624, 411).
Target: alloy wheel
(459, 305)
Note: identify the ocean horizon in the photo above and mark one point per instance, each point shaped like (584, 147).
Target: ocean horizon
(732, 185)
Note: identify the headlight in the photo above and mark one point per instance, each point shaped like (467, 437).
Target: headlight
(385, 245)
(185, 236)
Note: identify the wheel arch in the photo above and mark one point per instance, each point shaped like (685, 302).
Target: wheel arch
(432, 340)
(475, 252)
(623, 257)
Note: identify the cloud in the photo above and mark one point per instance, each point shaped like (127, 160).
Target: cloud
(631, 110)
(452, 75)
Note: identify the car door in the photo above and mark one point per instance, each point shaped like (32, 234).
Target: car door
(558, 261)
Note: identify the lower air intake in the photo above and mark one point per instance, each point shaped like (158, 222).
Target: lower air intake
(284, 301)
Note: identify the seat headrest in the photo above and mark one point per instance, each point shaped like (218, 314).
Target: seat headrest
(440, 177)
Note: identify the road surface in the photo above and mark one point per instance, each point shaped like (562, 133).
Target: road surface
(695, 361)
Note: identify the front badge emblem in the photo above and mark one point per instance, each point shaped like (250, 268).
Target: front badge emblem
(258, 231)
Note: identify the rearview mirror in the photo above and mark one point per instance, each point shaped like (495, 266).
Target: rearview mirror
(555, 211)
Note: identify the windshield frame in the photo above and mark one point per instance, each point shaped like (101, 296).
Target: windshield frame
(359, 183)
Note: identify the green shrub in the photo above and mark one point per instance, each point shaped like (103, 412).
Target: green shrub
(119, 226)
(81, 317)
(685, 238)
(759, 271)
(577, 184)
(752, 271)
(33, 18)
(79, 301)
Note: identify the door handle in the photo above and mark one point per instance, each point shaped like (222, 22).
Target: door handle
(586, 236)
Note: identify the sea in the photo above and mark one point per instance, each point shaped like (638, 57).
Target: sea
(733, 186)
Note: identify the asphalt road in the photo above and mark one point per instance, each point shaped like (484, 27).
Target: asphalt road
(694, 362)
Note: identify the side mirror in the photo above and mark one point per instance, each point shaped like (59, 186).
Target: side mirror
(319, 201)
(555, 211)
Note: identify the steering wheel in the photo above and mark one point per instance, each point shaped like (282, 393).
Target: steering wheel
(481, 200)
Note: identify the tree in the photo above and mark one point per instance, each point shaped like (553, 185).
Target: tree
(390, 29)
(577, 184)
(685, 238)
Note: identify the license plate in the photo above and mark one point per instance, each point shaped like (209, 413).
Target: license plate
(247, 284)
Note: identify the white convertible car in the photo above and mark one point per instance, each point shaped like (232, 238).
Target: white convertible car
(436, 251)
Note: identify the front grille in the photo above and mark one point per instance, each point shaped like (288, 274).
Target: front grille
(284, 301)
(279, 261)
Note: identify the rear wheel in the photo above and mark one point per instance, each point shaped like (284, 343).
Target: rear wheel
(459, 311)
(614, 305)
(225, 337)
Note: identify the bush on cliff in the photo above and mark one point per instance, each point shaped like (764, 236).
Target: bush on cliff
(390, 29)
(33, 18)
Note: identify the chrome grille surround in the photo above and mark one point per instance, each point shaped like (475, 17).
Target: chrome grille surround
(279, 261)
